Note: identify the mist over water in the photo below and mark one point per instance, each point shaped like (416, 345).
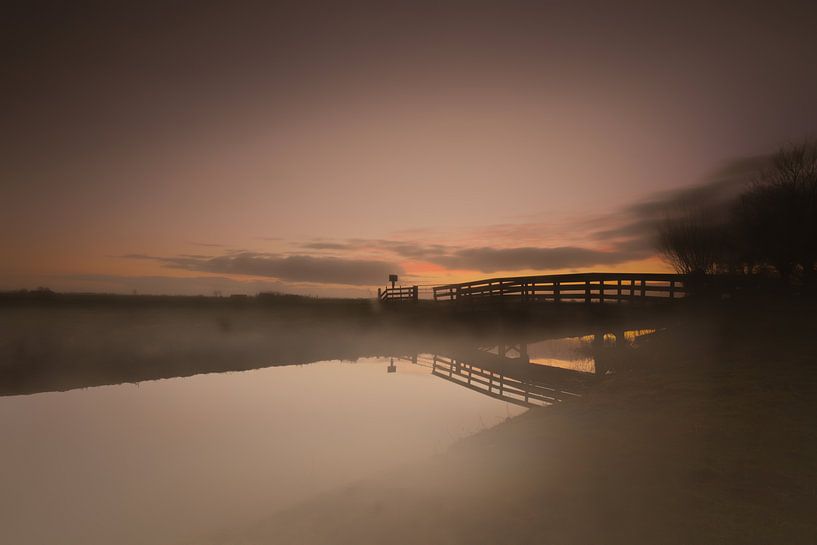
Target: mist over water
(166, 425)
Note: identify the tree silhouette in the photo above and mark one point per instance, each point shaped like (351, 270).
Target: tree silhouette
(690, 242)
(777, 216)
(771, 226)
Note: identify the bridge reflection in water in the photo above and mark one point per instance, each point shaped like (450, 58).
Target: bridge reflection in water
(532, 374)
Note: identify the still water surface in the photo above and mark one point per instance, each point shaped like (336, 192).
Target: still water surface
(173, 460)
(169, 460)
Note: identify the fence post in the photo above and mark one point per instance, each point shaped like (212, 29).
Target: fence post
(587, 291)
(416, 293)
(672, 289)
(618, 290)
(601, 290)
(643, 289)
(556, 295)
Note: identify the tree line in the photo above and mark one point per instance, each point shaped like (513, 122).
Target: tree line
(769, 230)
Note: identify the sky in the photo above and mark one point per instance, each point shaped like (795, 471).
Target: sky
(194, 147)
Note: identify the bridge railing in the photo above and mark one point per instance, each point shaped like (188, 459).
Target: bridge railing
(514, 390)
(581, 287)
(400, 294)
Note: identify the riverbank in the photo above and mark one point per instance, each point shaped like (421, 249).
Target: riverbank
(706, 435)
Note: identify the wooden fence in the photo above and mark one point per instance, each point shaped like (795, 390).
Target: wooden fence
(401, 294)
(582, 287)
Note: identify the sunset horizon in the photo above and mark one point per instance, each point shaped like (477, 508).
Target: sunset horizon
(205, 156)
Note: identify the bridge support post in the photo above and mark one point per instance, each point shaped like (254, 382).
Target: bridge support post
(599, 353)
(621, 342)
(523, 352)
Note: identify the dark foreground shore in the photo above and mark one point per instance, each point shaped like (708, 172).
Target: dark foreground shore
(706, 435)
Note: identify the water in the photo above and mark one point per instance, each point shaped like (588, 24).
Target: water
(167, 460)
(178, 459)
(577, 353)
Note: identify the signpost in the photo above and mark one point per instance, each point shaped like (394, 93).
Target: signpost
(392, 279)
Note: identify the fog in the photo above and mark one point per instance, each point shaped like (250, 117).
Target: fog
(223, 421)
(163, 424)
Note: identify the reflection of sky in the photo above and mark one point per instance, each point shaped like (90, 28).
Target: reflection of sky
(153, 462)
(575, 352)
(569, 353)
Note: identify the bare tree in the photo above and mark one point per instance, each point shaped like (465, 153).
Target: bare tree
(691, 242)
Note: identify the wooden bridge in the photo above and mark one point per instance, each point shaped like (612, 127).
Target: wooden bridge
(507, 371)
(556, 288)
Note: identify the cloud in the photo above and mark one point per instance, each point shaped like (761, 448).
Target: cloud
(720, 188)
(427, 252)
(489, 260)
(625, 235)
(327, 246)
(207, 244)
(293, 268)
(634, 226)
